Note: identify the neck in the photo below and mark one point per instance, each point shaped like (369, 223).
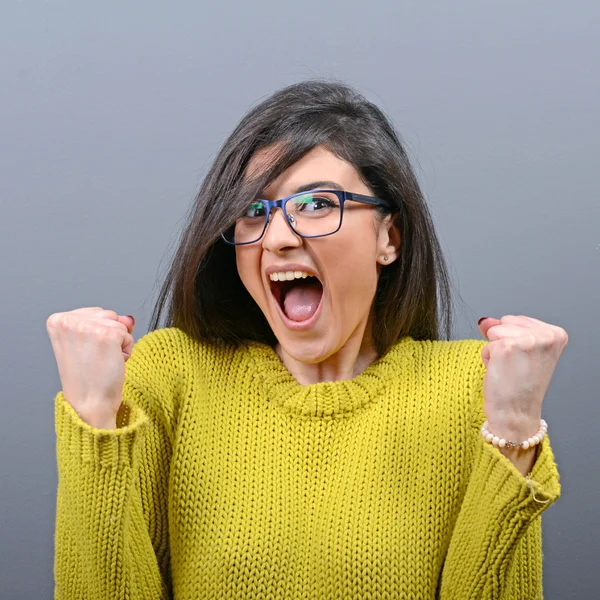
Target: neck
(349, 361)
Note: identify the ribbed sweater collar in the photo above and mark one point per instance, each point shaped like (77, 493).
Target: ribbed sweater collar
(331, 398)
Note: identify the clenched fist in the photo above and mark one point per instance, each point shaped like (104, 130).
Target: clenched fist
(91, 346)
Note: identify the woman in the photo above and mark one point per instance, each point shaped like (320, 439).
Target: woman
(299, 429)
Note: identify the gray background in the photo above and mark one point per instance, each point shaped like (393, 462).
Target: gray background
(111, 112)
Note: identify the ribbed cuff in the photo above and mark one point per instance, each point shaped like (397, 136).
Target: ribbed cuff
(532, 493)
(102, 447)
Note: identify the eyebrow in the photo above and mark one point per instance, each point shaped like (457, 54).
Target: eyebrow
(317, 185)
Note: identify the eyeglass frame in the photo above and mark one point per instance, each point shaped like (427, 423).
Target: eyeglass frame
(342, 197)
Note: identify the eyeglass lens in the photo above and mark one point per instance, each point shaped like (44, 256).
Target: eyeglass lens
(310, 214)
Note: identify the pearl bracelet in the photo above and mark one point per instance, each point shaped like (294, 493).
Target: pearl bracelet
(502, 443)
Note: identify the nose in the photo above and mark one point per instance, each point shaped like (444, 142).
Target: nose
(279, 235)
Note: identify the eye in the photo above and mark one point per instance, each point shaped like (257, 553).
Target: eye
(313, 203)
(255, 210)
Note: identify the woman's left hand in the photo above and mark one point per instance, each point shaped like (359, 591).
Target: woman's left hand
(520, 360)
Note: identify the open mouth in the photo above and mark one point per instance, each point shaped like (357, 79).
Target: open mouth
(298, 294)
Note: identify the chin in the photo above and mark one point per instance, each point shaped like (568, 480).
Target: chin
(309, 347)
(307, 351)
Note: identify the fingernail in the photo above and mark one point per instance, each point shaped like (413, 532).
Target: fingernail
(482, 318)
(132, 317)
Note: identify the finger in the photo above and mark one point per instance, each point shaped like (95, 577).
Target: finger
(127, 348)
(536, 323)
(521, 320)
(96, 312)
(485, 355)
(485, 323)
(495, 334)
(124, 322)
(499, 332)
(104, 322)
(128, 321)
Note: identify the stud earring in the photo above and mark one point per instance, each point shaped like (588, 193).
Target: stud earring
(386, 257)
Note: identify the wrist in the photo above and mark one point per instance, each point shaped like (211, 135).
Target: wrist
(104, 424)
(523, 460)
(515, 430)
(98, 418)
(519, 439)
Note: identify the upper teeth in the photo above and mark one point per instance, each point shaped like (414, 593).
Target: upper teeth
(289, 275)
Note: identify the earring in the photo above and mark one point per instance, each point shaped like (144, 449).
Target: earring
(386, 257)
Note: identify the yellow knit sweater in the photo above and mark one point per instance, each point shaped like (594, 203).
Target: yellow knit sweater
(226, 478)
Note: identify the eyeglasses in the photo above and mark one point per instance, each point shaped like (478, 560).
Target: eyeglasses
(311, 214)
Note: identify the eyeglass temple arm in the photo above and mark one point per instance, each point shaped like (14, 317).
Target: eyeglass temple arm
(369, 200)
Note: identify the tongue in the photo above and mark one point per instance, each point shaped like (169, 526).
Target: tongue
(301, 301)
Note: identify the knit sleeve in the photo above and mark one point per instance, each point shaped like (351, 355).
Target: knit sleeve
(495, 552)
(111, 530)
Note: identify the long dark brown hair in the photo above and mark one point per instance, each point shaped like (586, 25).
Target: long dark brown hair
(207, 297)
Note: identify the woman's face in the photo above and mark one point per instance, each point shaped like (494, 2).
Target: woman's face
(312, 320)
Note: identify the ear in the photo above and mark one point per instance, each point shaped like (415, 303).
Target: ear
(388, 241)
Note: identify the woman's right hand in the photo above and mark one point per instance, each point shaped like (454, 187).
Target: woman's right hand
(91, 346)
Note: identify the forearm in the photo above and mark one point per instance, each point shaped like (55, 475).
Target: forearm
(497, 511)
(104, 546)
(522, 459)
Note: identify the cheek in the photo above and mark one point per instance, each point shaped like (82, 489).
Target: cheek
(354, 276)
(248, 266)
(355, 284)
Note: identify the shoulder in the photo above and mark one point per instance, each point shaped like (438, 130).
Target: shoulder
(160, 360)
(174, 354)
(452, 370)
(167, 364)
(453, 356)
(156, 362)
(174, 348)
(465, 373)
(158, 352)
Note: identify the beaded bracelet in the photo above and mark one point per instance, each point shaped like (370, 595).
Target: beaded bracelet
(502, 443)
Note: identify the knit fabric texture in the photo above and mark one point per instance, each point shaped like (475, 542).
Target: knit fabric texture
(226, 478)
